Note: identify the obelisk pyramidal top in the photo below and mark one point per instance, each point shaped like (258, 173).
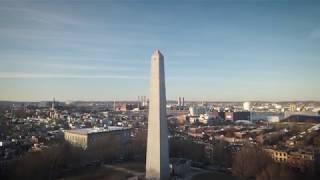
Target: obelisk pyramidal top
(157, 165)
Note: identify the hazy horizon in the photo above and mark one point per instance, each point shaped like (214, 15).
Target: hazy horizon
(214, 51)
(171, 100)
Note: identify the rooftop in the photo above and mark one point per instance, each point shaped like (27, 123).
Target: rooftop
(86, 131)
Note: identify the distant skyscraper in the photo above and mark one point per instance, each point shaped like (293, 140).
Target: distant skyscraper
(53, 113)
(293, 107)
(139, 102)
(52, 105)
(157, 165)
(179, 103)
(144, 103)
(247, 106)
(182, 102)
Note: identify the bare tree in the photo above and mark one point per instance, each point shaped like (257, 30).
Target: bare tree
(276, 171)
(249, 162)
(221, 155)
(107, 149)
(187, 149)
(138, 146)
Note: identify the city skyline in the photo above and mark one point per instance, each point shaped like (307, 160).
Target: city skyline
(219, 51)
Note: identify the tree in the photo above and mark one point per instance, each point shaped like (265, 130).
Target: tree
(221, 155)
(107, 149)
(46, 164)
(276, 172)
(51, 163)
(250, 161)
(187, 149)
(138, 146)
(316, 141)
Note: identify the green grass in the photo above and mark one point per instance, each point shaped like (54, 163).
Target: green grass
(213, 176)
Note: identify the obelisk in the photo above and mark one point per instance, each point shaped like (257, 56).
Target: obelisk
(157, 165)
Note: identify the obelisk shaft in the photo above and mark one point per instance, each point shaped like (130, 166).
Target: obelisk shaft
(157, 165)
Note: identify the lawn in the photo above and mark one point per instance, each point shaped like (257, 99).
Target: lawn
(133, 166)
(213, 175)
(99, 173)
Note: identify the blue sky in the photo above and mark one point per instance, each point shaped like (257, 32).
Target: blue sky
(214, 50)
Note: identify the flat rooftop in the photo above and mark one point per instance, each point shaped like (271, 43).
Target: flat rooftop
(86, 131)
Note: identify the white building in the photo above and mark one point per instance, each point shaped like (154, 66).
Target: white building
(273, 119)
(88, 137)
(205, 118)
(197, 110)
(305, 113)
(264, 116)
(247, 106)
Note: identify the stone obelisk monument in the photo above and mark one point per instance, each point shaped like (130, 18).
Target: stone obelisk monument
(157, 165)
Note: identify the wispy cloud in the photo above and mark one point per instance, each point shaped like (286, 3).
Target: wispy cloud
(45, 24)
(185, 54)
(39, 59)
(9, 75)
(91, 67)
(40, 16)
